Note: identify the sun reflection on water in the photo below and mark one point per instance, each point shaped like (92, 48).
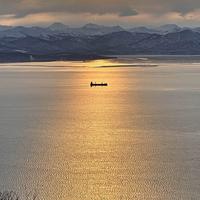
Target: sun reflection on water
(98, 142)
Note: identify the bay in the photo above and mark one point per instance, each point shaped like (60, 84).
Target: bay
(137, 138)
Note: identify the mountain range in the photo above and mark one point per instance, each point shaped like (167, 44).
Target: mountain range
(91, 39)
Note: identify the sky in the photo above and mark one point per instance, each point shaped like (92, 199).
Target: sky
(77, 13)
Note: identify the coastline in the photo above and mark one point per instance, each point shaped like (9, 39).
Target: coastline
(18, 57)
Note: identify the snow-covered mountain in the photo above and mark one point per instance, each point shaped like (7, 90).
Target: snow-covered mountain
(168, 28)
(59, 39)
(93, 29)
(57, 29)
(4, 28)
(143, 29)
(20, 32)
(164, 29)
(57, 26)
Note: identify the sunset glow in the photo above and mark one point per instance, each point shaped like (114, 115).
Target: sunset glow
(77, 13)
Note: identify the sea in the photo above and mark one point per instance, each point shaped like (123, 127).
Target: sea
(136, 138)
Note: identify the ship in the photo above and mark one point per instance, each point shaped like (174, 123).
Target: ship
(98, 84)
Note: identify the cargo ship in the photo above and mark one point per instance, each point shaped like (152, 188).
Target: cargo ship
(98, 84)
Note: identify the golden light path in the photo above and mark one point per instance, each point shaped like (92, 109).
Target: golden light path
(87, 137)
(97, 153)
(96, 140)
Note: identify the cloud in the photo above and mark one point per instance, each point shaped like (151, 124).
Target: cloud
(184, 6)
(22, 8)
(128, 12)
(80, 19)
(121, 11)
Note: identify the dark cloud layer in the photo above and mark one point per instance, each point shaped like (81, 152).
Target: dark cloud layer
(22, 8)
(120, 9)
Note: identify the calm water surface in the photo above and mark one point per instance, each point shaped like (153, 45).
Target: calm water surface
(137, 138)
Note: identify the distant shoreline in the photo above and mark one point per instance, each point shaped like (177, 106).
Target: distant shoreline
(17, 57)
(162, 58)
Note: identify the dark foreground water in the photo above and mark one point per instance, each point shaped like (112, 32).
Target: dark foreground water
(137, 138)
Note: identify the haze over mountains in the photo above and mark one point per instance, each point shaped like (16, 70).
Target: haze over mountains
(93, 39)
